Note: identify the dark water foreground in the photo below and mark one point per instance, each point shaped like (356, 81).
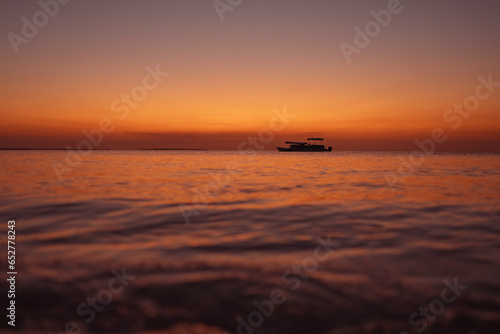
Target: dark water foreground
(295, 243)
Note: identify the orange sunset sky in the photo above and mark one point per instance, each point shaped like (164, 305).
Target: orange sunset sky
(226, 76)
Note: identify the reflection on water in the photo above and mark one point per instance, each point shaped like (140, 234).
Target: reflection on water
(120, 209)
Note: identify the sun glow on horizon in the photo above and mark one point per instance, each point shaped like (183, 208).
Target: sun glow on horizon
(225, 78)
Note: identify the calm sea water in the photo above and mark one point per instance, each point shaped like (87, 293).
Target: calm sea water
(259, 228)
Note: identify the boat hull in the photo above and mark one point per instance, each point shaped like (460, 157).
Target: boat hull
(304, 149)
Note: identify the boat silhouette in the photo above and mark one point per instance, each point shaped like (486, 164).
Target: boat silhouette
(294, 146)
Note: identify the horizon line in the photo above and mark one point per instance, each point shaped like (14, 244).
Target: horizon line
(205, 149)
